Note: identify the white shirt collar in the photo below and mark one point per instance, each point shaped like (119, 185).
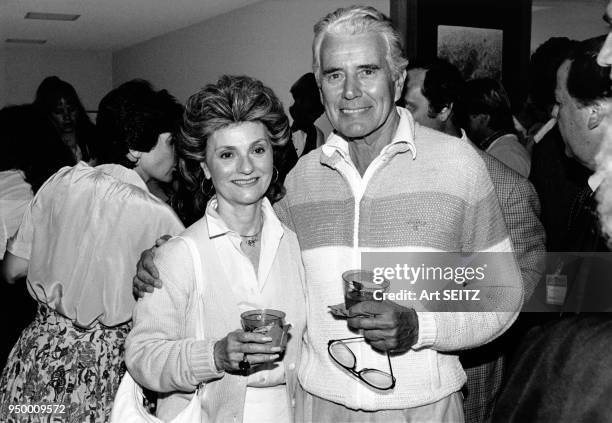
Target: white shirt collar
(218, 227)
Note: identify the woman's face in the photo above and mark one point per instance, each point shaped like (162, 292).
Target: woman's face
(158, 163)
(239, 161)
(64, 116)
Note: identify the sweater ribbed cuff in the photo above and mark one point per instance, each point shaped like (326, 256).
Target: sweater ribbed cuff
(202, 361)
(427, 330)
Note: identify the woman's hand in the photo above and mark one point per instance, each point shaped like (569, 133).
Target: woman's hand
(239, 345)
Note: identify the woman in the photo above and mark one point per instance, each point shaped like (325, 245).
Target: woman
(59, 102)
(78, 244)
(231, 130)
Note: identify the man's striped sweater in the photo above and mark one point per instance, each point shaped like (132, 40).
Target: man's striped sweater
(425, 192)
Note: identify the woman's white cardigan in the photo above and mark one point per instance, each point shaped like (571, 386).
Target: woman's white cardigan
(161, 352)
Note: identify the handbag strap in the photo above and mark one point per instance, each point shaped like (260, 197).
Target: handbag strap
(199, 284)
(199, 290)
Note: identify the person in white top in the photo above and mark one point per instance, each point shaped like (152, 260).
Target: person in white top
(77, 244)
(231, 132)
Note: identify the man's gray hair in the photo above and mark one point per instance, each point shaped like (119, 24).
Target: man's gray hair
(359, 20)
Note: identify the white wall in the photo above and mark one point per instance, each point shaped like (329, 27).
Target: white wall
(575, 20)
(270, 40)
(2, 77)
(24, 68)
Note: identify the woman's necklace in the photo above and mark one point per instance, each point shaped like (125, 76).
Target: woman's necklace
(251, 240)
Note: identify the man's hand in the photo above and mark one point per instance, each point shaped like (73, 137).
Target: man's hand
(391, 328)
(147, 276)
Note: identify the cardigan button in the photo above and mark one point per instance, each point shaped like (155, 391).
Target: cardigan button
(291, 366)
(292, 402)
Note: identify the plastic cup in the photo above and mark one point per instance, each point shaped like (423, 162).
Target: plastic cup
(359, 286)
(267, 322)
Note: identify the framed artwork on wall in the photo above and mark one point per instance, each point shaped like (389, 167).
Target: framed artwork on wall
(483, 38)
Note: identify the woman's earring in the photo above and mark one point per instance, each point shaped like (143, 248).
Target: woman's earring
(274, 176)
(207, 192)
(133, 158)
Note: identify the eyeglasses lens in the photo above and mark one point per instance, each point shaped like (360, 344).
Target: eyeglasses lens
(377, 378)
(342, 354)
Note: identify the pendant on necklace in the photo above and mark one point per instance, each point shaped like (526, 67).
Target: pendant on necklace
(251, 242)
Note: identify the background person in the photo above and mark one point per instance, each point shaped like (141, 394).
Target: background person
(556, 177)
(305, 110)
(59, 102)
(584, 98)
(77, 244)
(487, 120)
(431, 91)
(30, 154)
(231, 130)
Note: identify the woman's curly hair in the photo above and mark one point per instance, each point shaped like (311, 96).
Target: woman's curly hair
(232, 100)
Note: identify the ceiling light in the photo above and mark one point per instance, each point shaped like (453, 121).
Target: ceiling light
(25, 41)
(51, 16)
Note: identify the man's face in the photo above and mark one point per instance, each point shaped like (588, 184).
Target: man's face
(572, 121)
(357, 88)
(416, 102)
(605, 55)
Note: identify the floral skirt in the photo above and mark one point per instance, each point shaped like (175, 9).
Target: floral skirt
(58, 372)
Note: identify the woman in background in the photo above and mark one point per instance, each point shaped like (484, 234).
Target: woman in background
(59, 102)
(78, 244)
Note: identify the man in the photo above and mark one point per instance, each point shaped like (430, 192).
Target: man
(431, 92)
(380, 183)
(560, 374)
(584, 113)
(605, 54)
(556, 178)
(488, 120)
(378, 172)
